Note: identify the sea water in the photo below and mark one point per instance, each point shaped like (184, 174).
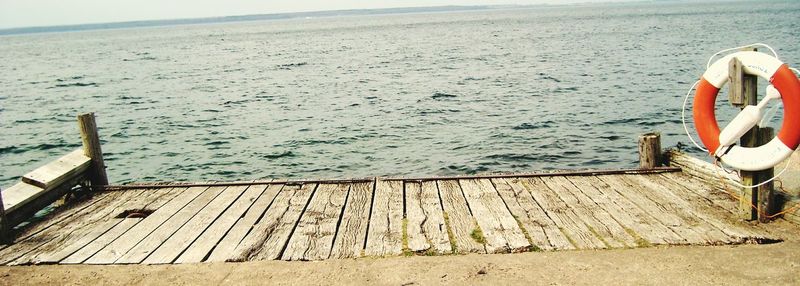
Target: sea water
(511, 90)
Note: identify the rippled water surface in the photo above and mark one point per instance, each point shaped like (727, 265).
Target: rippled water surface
(420, 94)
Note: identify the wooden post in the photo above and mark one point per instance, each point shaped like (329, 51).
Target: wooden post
(4, 236)
(766, 196)
(649, 150)
(736, 94)
(91, 148)
(743, 88)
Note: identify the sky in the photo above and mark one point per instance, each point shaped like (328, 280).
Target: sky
(32, 13)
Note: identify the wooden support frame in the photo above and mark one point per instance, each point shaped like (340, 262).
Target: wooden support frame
(91, 148)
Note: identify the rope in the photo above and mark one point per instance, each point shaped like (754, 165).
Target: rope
(771, 113)
(785, 167)
(742, 47)
(760, 212)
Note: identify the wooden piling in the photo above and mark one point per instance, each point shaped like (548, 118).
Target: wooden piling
(3, 228)
(91, 148)
(766, 196)
(649, 150)
(742, 93)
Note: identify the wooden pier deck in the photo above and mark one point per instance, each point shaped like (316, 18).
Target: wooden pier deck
(316, 220)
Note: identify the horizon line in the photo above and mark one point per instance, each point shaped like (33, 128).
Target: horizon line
(278, 16)
(248, 17)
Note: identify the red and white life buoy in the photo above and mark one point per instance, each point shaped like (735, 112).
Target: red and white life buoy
(749, 158)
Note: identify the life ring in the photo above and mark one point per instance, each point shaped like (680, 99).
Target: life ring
(705, 121)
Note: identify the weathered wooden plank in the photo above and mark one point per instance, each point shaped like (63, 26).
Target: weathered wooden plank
(634, 193)
(653, 192)
(314, 234)
(702, 170)
(58, 215)
(415, 216)
(710, 192)
(225, 248)
(91, 231)
(459, 218)
(648, 223)
(55, 255)
(542, 231)
(435, 227)
(535, 233)
(500, 229)
(119, 247)
(174, 246)
(269, 236)
(385, 235)
(615, 228)
(20, 194)
(489, 226)
(143, 249)
(352, 234)
(33, 245)
(59, 171)
(731, 232)
(677, 205)
(425, 225)
(86, 251)
(537, 214)
(70, 232)
(120, 226)
(562, 215)
(201, 247)
(600, 223)
(626, 213)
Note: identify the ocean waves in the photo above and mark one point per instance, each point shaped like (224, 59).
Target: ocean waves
(514, 90)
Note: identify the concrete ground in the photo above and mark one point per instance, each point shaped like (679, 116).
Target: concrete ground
(775, 264)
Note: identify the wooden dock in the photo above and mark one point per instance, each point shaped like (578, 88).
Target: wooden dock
(316, 220)
(685, 203)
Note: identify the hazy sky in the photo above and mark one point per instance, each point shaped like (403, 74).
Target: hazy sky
(26, 13)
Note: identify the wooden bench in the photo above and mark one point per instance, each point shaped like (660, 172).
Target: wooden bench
(46, 184)
(42, 186)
